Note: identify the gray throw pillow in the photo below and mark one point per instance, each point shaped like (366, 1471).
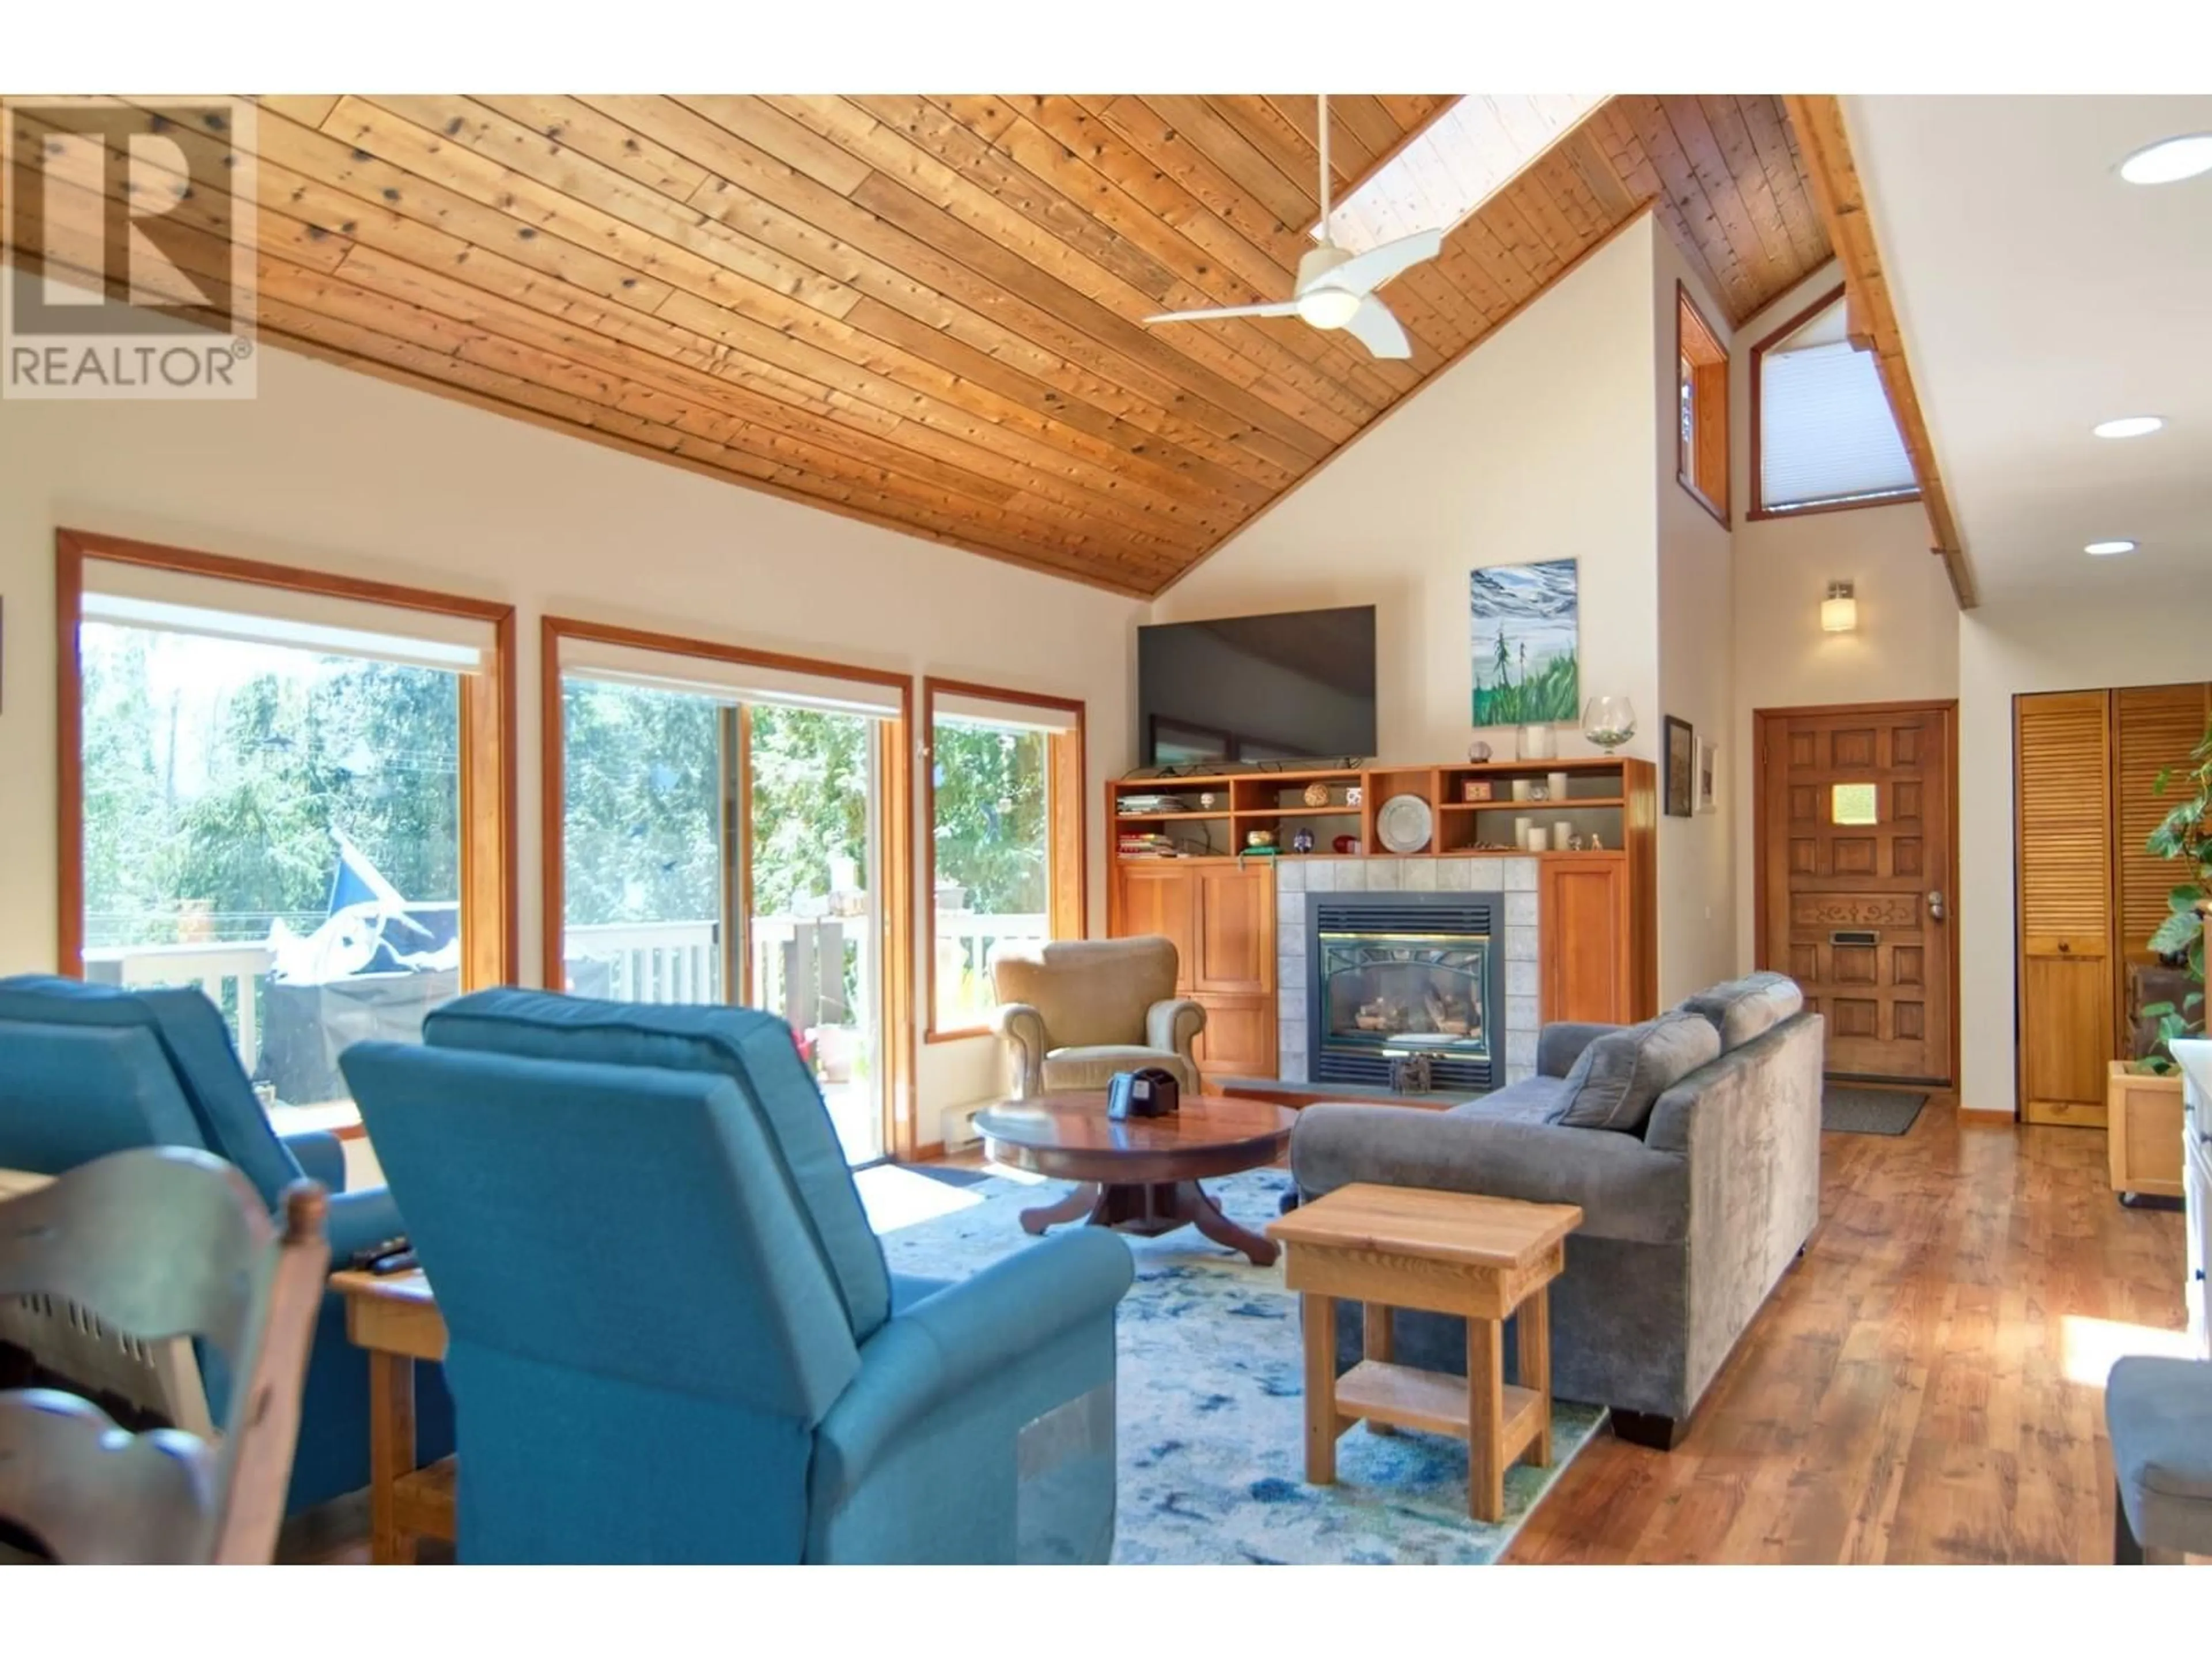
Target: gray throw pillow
(1741, 1009)
(1621, 1075)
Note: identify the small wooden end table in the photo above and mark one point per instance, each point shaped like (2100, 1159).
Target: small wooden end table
(1138, 1175)
(1485, 1259)
(395, 1317)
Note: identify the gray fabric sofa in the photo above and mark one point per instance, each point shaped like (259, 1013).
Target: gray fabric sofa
(1689, 1220)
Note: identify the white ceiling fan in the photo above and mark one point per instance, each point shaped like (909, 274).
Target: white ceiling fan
(1336, 289)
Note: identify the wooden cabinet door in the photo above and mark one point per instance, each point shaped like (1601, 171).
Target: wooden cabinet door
(1239, 1038)
(1581, 903)
(2062, 760)
(1235, 929)
(1161, 898)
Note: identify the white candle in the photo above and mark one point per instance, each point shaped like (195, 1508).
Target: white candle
(1538, 842)
(1557, 781)
(1521, 830)
(1562, 833)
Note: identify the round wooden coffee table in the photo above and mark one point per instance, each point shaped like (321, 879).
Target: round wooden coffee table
(1140, 1174)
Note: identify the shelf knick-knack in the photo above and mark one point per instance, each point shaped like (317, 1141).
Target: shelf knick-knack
(1316, 794)
(1609, 722)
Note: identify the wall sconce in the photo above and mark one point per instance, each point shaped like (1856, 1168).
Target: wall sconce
(1839, 611)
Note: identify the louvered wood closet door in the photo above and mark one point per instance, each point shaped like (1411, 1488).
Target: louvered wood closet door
(2063, 771)
(2154, 728)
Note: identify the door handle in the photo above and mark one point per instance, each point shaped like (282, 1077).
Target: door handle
(1935, 907)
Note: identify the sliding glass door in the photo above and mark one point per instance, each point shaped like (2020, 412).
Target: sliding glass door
(722, 841)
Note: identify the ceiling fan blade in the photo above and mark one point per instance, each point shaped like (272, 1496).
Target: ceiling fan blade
(1363, 273)
(1280, 308)
(1373, 327)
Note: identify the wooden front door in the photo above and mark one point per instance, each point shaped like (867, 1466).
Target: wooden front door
(1855, 878)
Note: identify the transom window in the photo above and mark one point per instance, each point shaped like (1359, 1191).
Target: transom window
(1701, 446)
(1822, 433)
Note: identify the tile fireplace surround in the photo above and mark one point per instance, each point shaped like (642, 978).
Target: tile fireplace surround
(1514, 879)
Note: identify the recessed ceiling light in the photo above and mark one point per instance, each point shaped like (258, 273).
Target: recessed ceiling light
(2106, 549)
(2128, 426)
(2170, 160)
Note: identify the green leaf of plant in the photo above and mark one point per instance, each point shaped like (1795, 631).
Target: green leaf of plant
(2183, 898)
(2154, 1010)
(2177, 932)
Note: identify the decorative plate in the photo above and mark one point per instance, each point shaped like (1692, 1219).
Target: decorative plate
(1403, 823)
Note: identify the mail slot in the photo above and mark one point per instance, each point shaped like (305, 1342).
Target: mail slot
(1854, 936)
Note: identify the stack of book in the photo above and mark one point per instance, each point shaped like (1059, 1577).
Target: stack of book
(1153, 845)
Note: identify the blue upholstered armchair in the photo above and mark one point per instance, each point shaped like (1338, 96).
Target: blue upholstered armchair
(671, 1333)
(85, 1070)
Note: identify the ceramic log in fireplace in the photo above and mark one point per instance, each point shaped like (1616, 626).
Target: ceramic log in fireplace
(1392, 975)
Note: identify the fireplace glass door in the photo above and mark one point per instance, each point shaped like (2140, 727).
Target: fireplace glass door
(1383, 992)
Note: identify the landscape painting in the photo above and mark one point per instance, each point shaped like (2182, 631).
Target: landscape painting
(1524, 620)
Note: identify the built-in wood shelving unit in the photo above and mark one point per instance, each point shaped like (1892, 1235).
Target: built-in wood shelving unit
(1612, 798)
(1598, 909)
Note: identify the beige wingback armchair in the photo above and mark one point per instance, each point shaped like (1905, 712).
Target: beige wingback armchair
(1071, 1014)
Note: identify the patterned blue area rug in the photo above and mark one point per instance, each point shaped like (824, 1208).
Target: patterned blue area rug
(1212, 1426)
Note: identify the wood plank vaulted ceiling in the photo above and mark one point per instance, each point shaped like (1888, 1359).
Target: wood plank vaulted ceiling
(924, 311)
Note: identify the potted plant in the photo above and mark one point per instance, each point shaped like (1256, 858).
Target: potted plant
(2143, 1098)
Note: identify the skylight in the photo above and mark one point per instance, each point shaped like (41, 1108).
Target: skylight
(1457, 162)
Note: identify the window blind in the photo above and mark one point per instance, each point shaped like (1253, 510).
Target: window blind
(1826, 432)
(964, 709)
(726, 681)
(217, 607)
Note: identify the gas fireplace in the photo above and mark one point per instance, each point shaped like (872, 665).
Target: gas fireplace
(1393, 975)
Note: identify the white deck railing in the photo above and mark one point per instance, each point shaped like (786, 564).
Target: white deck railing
(650, 961)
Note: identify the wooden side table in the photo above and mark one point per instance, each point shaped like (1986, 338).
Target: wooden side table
(1485, 1259)
(395, 1317)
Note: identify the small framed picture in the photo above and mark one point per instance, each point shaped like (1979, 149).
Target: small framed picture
(1475, 789)
(1681, 763)
(1709, 759)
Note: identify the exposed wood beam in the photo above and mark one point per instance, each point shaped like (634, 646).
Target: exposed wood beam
(1818, 119)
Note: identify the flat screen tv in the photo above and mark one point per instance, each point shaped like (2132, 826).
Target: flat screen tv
(1298, 685)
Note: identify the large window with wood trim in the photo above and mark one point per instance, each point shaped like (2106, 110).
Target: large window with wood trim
(288, 790)
(1701, 447)
(1822, 436)
(1004, 826)
(729, 831)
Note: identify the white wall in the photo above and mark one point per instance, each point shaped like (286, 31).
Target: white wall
(1697, 889)
(336, 471)
(2004, 649)
(1905, 647)
(1538, 445)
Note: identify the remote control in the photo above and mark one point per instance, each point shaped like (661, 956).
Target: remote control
(398, 1262)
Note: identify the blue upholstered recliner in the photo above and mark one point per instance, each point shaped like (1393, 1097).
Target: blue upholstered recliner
(672, 1336)
(85, 1070)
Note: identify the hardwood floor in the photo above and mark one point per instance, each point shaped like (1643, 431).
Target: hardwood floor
(1927, 1384)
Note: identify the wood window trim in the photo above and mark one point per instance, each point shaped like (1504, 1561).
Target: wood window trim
(490, 917)
(1757, 508)
(894, 752)
(1696, 342)
(1069, 900)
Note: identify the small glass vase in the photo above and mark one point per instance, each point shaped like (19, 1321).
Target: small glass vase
(1609, 722)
